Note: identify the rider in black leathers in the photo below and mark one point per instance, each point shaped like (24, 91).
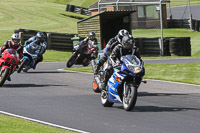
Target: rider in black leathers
(91, 42)
(109, 47)
(125, 48)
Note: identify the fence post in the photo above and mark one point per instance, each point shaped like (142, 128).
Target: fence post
(48, 40)
(197, 25)
(22, 37)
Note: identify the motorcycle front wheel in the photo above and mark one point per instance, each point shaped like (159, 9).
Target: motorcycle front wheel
(22, 65)
(129, 96)
(104, 99)
(4, 75)
(72, 60)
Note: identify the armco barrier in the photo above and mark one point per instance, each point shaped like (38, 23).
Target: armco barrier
(180, 46)
(55, 41)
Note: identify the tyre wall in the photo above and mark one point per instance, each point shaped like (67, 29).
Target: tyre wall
(180, 46)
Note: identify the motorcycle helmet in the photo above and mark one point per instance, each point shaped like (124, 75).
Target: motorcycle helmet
(127, 42)
(122, 33)
(39, 36)
(92, 35)
(15, 39)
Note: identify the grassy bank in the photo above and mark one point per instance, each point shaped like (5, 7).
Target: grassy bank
(14, 125)
(35, 15)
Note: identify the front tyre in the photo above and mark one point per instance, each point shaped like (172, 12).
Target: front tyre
(104, 99)
(129, 96)
(72, 60)
(4, 75)
(25, 61)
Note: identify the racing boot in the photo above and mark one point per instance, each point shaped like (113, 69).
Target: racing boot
(8, 78)
(35, 64)
(102, 85)
(97, 69)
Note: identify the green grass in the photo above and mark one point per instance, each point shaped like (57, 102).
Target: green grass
(183, 2)
(35, 15)
(83, 3)
(56, 56)
(185, 72)
(15, 125)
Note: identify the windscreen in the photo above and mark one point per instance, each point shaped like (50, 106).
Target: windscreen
(132, 59)
(33, 47)
(13, 52)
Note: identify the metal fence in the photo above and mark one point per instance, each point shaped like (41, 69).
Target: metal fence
(150, 14)
(179, 15)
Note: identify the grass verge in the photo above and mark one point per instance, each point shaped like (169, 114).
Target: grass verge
(185, 72)
(10, 124)
(56, 56)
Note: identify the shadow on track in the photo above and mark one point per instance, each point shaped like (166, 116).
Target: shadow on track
(29, 85)
(142, 94)
(156, 109)
(46, 71)
(161, 109)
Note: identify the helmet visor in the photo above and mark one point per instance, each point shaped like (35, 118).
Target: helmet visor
(129, 44)
(92, 37)
(15, 40)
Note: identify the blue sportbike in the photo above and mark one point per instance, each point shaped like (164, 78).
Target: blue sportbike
(30, 54)
(122, 87)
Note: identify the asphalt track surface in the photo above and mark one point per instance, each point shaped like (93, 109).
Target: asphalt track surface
(66, 99)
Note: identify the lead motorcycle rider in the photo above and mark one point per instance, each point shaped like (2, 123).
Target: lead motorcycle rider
(109, 47)
(126, 47)
(14, 43)
(38, 39)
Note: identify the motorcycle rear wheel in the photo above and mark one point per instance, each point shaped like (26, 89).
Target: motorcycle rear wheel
(4, 75)
(72, 60)
(104, 99)
(130, 98)
(22, 65)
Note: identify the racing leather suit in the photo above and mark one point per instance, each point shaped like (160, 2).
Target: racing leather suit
(92, 44)
(114, 59)
(42, 43)
(8, 44)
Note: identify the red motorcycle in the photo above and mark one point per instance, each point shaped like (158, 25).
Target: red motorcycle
(8, 63)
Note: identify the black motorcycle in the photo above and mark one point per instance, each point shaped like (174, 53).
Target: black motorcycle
(82, 54)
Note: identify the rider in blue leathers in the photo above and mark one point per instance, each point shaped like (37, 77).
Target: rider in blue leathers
(39, 39)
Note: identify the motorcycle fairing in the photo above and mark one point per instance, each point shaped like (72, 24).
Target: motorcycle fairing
(113, 86)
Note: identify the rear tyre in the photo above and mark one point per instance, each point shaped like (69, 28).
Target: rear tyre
(25, 61)
(71, 60)
(104, 99)
(129, 96)
(4, 76)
